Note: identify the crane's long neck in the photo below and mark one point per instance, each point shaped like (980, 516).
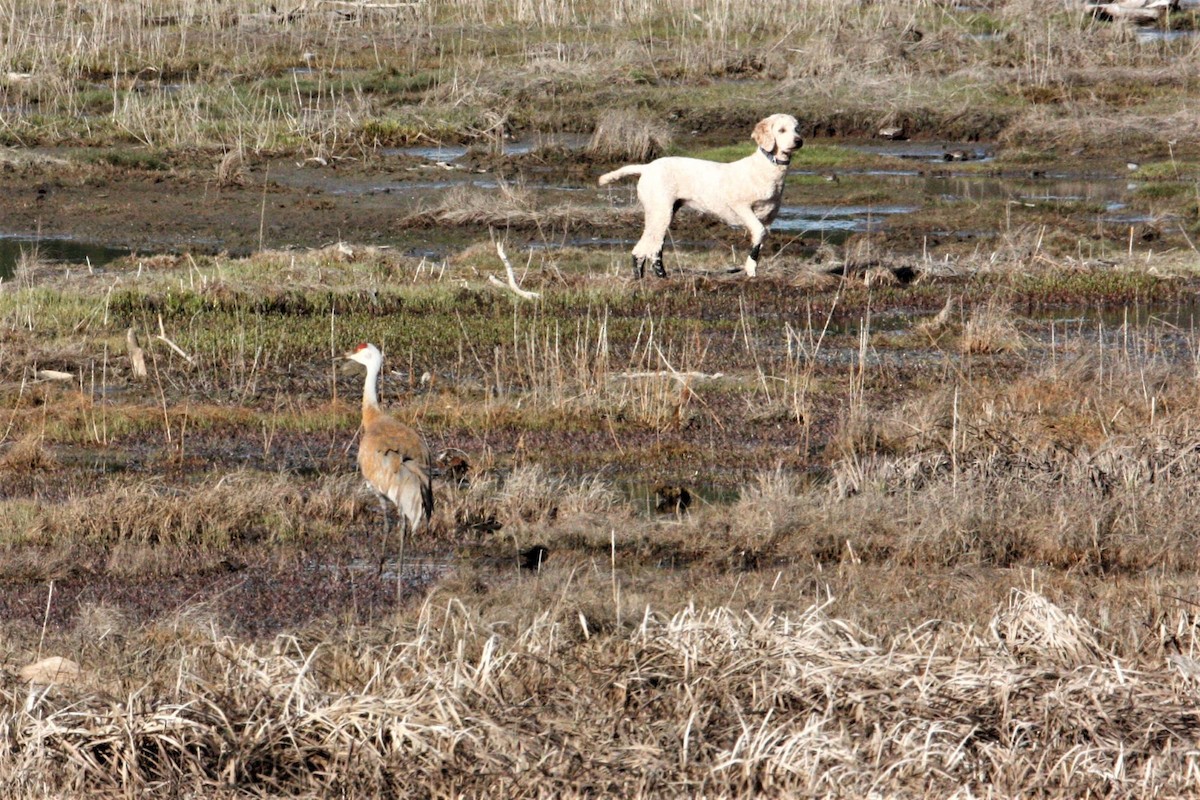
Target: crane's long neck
(370, 404)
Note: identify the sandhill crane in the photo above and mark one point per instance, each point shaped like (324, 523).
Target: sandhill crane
(392, 456)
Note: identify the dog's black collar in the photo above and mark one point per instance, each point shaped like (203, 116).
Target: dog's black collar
(779, 162)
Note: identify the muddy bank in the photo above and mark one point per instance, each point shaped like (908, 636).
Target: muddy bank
(187, 210)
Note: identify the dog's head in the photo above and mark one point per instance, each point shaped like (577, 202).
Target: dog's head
(778, 135)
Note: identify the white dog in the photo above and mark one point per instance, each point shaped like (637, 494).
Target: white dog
(745, 192)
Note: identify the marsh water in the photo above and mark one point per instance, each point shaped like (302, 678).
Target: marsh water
(292, 204)
(86, 255)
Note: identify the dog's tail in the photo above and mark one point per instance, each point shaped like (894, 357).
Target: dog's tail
(617, 174)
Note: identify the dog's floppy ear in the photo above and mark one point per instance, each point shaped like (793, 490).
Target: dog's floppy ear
(763, 136)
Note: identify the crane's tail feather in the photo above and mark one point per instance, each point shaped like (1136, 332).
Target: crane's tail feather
(413, 495)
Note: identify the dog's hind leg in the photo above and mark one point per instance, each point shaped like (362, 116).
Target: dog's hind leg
(660, 209)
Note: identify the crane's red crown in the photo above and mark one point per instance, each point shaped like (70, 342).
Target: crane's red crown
(361, 346)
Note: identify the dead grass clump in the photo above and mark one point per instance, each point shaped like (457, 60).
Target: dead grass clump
(514, 207)
(696, 701)
(529, 494)
(628, 134)
(991, 329)
(918, 424)
(1077, 125)
(1033, 629)
(1123, 509)
(99, 621)
(941, 322)
(231, 170)
(26, 454)
(528, 497)
(765, 511)
(238, 507)
(808, 278)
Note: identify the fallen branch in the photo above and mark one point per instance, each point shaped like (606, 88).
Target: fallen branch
(162, 334)
(512, 278)
(679, 376)
(387, 6)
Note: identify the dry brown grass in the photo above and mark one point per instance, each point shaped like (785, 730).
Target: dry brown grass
(517, 207)
(710, 701)
(953, 572)
(991, 329)
(214, 513)
(629, 135)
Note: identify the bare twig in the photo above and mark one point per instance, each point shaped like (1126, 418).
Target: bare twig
(360, 4)
(683, 377)
(162, 335)
(512, 278)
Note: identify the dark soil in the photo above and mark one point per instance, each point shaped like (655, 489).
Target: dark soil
(185, 210)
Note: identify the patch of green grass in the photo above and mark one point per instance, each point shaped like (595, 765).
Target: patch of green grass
(123, 158)
(1168, 170)
(1165, 190)
(979, 23)
(1109, 286)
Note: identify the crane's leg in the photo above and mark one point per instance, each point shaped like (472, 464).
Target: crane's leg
(404, 526)
(383, 507)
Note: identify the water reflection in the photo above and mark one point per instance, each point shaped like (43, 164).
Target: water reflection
(519, 147)
(942, 152)
(57, 250)
(828, 219)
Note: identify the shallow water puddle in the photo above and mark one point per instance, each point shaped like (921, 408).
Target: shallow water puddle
(450, 152)
(418, 567)
(67, 251)
(1153, 35)
(923, 151)
(830, 221)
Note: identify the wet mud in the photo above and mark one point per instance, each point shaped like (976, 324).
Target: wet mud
(78, 209)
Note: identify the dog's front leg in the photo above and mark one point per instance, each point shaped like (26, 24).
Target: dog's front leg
(758, 232)
(752, 260)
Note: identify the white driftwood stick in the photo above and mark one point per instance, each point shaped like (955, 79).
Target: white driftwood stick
(352, 4)
(679, 376)
(162, 334)
(512, 278)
